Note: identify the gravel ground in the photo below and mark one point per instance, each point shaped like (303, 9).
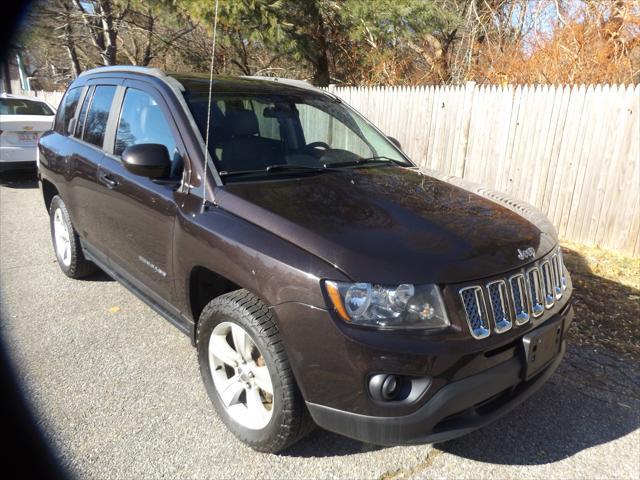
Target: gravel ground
(117, 391)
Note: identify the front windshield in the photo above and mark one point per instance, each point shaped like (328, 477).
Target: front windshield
(287, 134)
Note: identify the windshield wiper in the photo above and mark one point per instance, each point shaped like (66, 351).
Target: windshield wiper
(302, 168)
(284, 167)
(368, 160)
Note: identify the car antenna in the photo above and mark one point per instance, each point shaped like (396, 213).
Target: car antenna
(206, 141)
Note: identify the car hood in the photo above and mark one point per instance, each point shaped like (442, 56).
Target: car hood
(394, 225)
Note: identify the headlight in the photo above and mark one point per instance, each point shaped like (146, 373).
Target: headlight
(398, 307)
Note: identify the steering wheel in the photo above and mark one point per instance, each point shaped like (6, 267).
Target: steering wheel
(311, 147)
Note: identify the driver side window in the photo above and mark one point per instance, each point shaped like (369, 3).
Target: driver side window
(142, 121)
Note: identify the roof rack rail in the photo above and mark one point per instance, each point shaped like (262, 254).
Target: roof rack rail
(153, 72)
(295, 83)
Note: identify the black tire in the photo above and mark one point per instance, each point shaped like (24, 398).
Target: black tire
(78, 266)
(290, 420)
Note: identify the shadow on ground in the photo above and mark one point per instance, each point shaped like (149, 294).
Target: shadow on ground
(565, 417)
(19, 179)
(99, 276)
(321, 443)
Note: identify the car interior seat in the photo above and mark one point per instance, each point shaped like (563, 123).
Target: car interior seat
(246, 150)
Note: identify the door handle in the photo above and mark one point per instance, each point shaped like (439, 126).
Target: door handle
(108, 180)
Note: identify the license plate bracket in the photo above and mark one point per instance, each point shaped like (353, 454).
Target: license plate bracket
(540, 347)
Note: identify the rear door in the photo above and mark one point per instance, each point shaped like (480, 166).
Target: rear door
(86, 154)
(138, 214)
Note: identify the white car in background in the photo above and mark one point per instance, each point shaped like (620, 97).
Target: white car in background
(22, 121)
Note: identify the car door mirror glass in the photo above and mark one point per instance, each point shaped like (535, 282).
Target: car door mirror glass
(147, 160)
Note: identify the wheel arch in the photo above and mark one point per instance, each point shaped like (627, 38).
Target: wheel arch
(49, 191)
(204, 286)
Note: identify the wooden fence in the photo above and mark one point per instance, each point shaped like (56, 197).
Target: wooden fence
(573, 152)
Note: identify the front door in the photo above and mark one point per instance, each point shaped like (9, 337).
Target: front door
(139, 214)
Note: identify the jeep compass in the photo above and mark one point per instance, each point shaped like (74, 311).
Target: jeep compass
(322, 277)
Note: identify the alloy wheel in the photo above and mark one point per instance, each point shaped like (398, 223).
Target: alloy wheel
(241, 376)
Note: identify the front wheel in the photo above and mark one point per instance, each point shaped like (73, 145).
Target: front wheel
(247, 375)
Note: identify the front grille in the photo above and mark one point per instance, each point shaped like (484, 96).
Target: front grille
(476, 311)
(516, 299)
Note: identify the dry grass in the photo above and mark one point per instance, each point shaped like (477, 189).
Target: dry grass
(606, 299)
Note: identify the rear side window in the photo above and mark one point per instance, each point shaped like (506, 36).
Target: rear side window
(18, 106)
(67, 110)
(142, 121)
(96, 121)
(83, 113)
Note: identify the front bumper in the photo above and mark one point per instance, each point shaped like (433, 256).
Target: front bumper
(455, 410)
(472, 382)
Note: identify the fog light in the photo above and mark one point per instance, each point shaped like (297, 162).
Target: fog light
(384, 387)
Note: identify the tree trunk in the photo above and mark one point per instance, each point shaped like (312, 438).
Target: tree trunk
(147, 56)
(6, 75)
(102, 28)
(73, 59)
(69, 43)
(109, 32)
(321, 74)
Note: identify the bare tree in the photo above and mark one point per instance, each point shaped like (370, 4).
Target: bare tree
(103, 19)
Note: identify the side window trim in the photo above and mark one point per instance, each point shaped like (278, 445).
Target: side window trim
(87, 97)
(76, 114)
(108, 145)
(88, 93)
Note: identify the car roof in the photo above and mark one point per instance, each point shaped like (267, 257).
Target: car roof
(21, 97)
(195, 82)
(255, 85)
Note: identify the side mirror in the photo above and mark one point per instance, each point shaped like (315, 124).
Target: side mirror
(395, 142)
(147, 160)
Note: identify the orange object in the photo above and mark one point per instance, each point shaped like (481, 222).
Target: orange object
(334, 295)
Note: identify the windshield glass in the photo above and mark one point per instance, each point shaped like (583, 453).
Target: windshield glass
(252, 133)
(17, 106)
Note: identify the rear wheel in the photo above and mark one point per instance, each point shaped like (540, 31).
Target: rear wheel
(247, 375)
(66, 243)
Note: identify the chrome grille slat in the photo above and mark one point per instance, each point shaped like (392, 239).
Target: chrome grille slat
(556, 270)
(499, 305)
(563, 275)
(547, 284)
(519, 298)
(535, 291)
(515, 299)
(476, 311)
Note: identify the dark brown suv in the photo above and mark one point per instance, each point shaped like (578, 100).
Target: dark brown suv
(321, 276)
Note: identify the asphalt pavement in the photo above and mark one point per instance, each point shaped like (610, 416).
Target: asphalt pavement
(117, 391)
